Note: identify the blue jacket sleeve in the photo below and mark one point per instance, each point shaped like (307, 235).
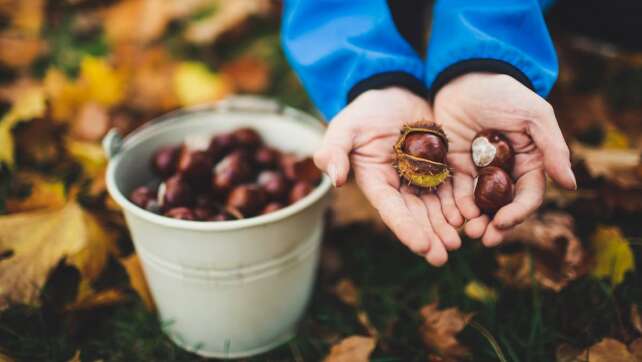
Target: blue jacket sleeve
(502, 36)
(340, 48)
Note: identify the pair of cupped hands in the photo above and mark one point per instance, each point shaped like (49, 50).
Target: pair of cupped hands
(361, 138)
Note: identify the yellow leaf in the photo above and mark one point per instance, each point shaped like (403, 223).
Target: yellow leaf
(5, 358)
(194, 84)
(64, 95)
(137, 279)
(44, 194)
(480, 292)
(352, 349)
(90, 156)
(612, 253)
(30, 104)
(103, 84)
(33, 243)
(615, 139)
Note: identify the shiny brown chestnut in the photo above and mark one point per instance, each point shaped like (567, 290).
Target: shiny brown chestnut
(142, 196)
(492, 148)
(220, 145)
(272, 207)
(274, 184)
(494, 189)
(175, 192)
(195, 166)
(249, 199)
(266, 157)
(247, 137)
(202, 213)
(300, 169)
(232, 170)
(165, 160)
(300, 190)
(181, 213)
(425, 145)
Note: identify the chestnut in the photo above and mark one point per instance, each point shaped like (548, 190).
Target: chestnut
(494, 189)
(274, 184)
(205, 200)
(181, 213)
(300, 190)
(202, 213)
(195, 166)
(220, 145)
(142, 196)
(175, 192)
(249, 199)
(492, 148)
(165, 160)
(271, 207)
(221, 216)
(300, 169)
(425, 145)
(266, 157)
(247, 137)
(232, 170)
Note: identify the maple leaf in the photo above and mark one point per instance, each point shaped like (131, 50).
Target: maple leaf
(352, 349)
(44, 193)
(30, 103)
(137, 280)
(194, 83)
(440, 328)
(33, 243)
(612, 253)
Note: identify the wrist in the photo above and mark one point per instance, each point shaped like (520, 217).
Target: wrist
(389, 80)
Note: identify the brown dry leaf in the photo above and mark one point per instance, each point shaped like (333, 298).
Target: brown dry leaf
(5, 358)
(636, 349)
(98, 299)
(194, 84)
(91, 122)
(248, 73)
(26, 16)
(137, 279)
(349, 205)
(44, 193)
(137, 21)
(75, 357)
(636, 321)
(227, 16)
(35, 242)
(616, 165)
(17, 51)
(607, 350)
(352, 349)
(347, 292)
(557, 253)
(440, 328)
(364, 320)
(567, 353)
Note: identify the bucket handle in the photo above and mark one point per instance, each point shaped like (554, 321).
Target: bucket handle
(113, 141)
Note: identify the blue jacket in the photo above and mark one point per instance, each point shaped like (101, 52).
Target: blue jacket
(341, 48)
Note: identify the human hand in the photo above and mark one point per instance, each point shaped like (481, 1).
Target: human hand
(477, 101)
(362, 137)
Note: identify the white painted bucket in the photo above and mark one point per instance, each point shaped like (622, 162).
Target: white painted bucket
(234, 288)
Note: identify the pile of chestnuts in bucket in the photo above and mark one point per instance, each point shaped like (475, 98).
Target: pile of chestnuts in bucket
(226, 177)
(420, 159)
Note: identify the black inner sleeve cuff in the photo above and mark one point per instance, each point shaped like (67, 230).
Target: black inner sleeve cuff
(478, 65)
(389, 79)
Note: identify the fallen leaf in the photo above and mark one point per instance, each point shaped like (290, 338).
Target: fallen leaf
(364, 320)
(612, 253)
(19, 51)
(352, 349)
(607, 350)
(194, 83)
(616, 165)
(75, 357)
(557, 254)
(440, 328)
(248, 74)
(98, 299)
(29, 105)
(90, 156)
(138, 21)
(101, 82)
(35, 242)
(26, 16)
(347, 292)
(44, 193)
(91, 122)
(137, 280)
(567, 353)
(5, 358)
(615, 139)
(65, 96)
(636, 349)
(349, 205)
(227, 16)
(150, 78)
(478, 291)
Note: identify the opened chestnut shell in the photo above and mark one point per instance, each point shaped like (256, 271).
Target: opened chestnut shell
(492, 148)
(494, 189)
(420, 155)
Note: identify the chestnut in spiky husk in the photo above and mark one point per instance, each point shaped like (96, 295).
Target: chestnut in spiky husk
(492, 148)
(494, 189)
(420, 155)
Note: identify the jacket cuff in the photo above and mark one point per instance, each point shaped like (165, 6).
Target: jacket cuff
(478, 65)
(388, 79)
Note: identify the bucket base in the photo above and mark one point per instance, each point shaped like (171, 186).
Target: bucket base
(233, 355)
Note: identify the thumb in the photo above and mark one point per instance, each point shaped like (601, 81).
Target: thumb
(333, 156)
(548, 137)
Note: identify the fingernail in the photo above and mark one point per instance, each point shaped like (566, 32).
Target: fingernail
(572, 176)
(332, 173)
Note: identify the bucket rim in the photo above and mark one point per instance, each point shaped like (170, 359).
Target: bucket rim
(321, 190)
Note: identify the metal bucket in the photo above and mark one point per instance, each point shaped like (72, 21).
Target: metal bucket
(234, 288)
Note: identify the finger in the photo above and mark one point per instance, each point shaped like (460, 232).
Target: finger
(548, 137)
(463, 188)
(394, 212)
(529, 195)
(436, 254)
(476, 227)
(492, 236)
(333, 156)
(448, 206)
(444, 230)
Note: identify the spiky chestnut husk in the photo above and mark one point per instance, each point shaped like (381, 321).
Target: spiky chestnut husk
(423, 172)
